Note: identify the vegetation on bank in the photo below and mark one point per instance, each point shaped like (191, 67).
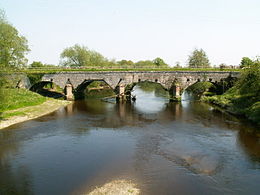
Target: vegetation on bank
(244, 97)
(19, 98)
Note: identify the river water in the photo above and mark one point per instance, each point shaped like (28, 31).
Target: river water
(165, 148)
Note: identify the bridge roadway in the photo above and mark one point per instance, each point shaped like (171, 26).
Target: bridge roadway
(174, 81)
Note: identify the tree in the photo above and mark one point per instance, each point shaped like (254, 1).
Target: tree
(246, 62)
(81, 56)
(144, 63)
(198, 59)
(159, 62)
(126, 63)
(36, 64)
(13, 47)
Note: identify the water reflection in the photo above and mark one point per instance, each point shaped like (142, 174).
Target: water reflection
(164, 146)
(13, 180)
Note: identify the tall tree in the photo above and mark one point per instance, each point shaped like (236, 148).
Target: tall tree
(81, 56)
(159, 62)
(246, 62)
(13, 47)
(36, 64)
(126, 63)
(198, 59)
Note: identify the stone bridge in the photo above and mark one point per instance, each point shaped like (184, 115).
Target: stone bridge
(173, 81)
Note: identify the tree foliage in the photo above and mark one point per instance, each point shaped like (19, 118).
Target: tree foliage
(36, 64)
(13, 47)
(78, 55)
(198, 59)
(246, 62)
(159, 62)
(81, 56)
(144, 63)
(249, 81)
(125, 63)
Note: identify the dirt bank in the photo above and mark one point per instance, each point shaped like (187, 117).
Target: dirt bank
(31, 112)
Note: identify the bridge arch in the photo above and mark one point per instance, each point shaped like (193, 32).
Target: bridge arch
(80, 90)
(48, 89)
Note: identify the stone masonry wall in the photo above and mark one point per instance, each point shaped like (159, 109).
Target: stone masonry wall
(165, 78)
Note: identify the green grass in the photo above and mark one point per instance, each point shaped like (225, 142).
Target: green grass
(11, 114)
(19, 98)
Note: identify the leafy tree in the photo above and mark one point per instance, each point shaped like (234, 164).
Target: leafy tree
(75, 56)
(13, 47)
(246, 62)
(126, 63)
(249, 79)
(96, 59)
(144, 63)
(198, 59)
(81, 56)
(36, 64)
(159, 62)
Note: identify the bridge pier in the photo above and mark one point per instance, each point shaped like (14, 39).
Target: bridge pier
(69, 92)
(175, 93)
(120, 92)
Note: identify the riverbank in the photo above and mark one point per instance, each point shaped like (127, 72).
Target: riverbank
(243, 98)
(19, 105)
(240, 105)
(31, 112)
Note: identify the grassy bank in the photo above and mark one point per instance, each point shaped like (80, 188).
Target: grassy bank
(19, 98)
(20, 105)
(14, 99)
(244, 98)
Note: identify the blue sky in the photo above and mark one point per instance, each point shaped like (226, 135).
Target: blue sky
(139, 29)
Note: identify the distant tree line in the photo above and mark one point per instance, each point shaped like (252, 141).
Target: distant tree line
(81, 56)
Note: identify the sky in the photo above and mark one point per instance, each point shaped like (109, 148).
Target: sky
(226, 30)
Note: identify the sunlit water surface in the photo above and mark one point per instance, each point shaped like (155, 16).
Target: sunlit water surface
(166, 148)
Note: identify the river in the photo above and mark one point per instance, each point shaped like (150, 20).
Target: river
(165, 148)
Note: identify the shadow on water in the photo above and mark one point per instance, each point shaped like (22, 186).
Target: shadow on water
(13, 180)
